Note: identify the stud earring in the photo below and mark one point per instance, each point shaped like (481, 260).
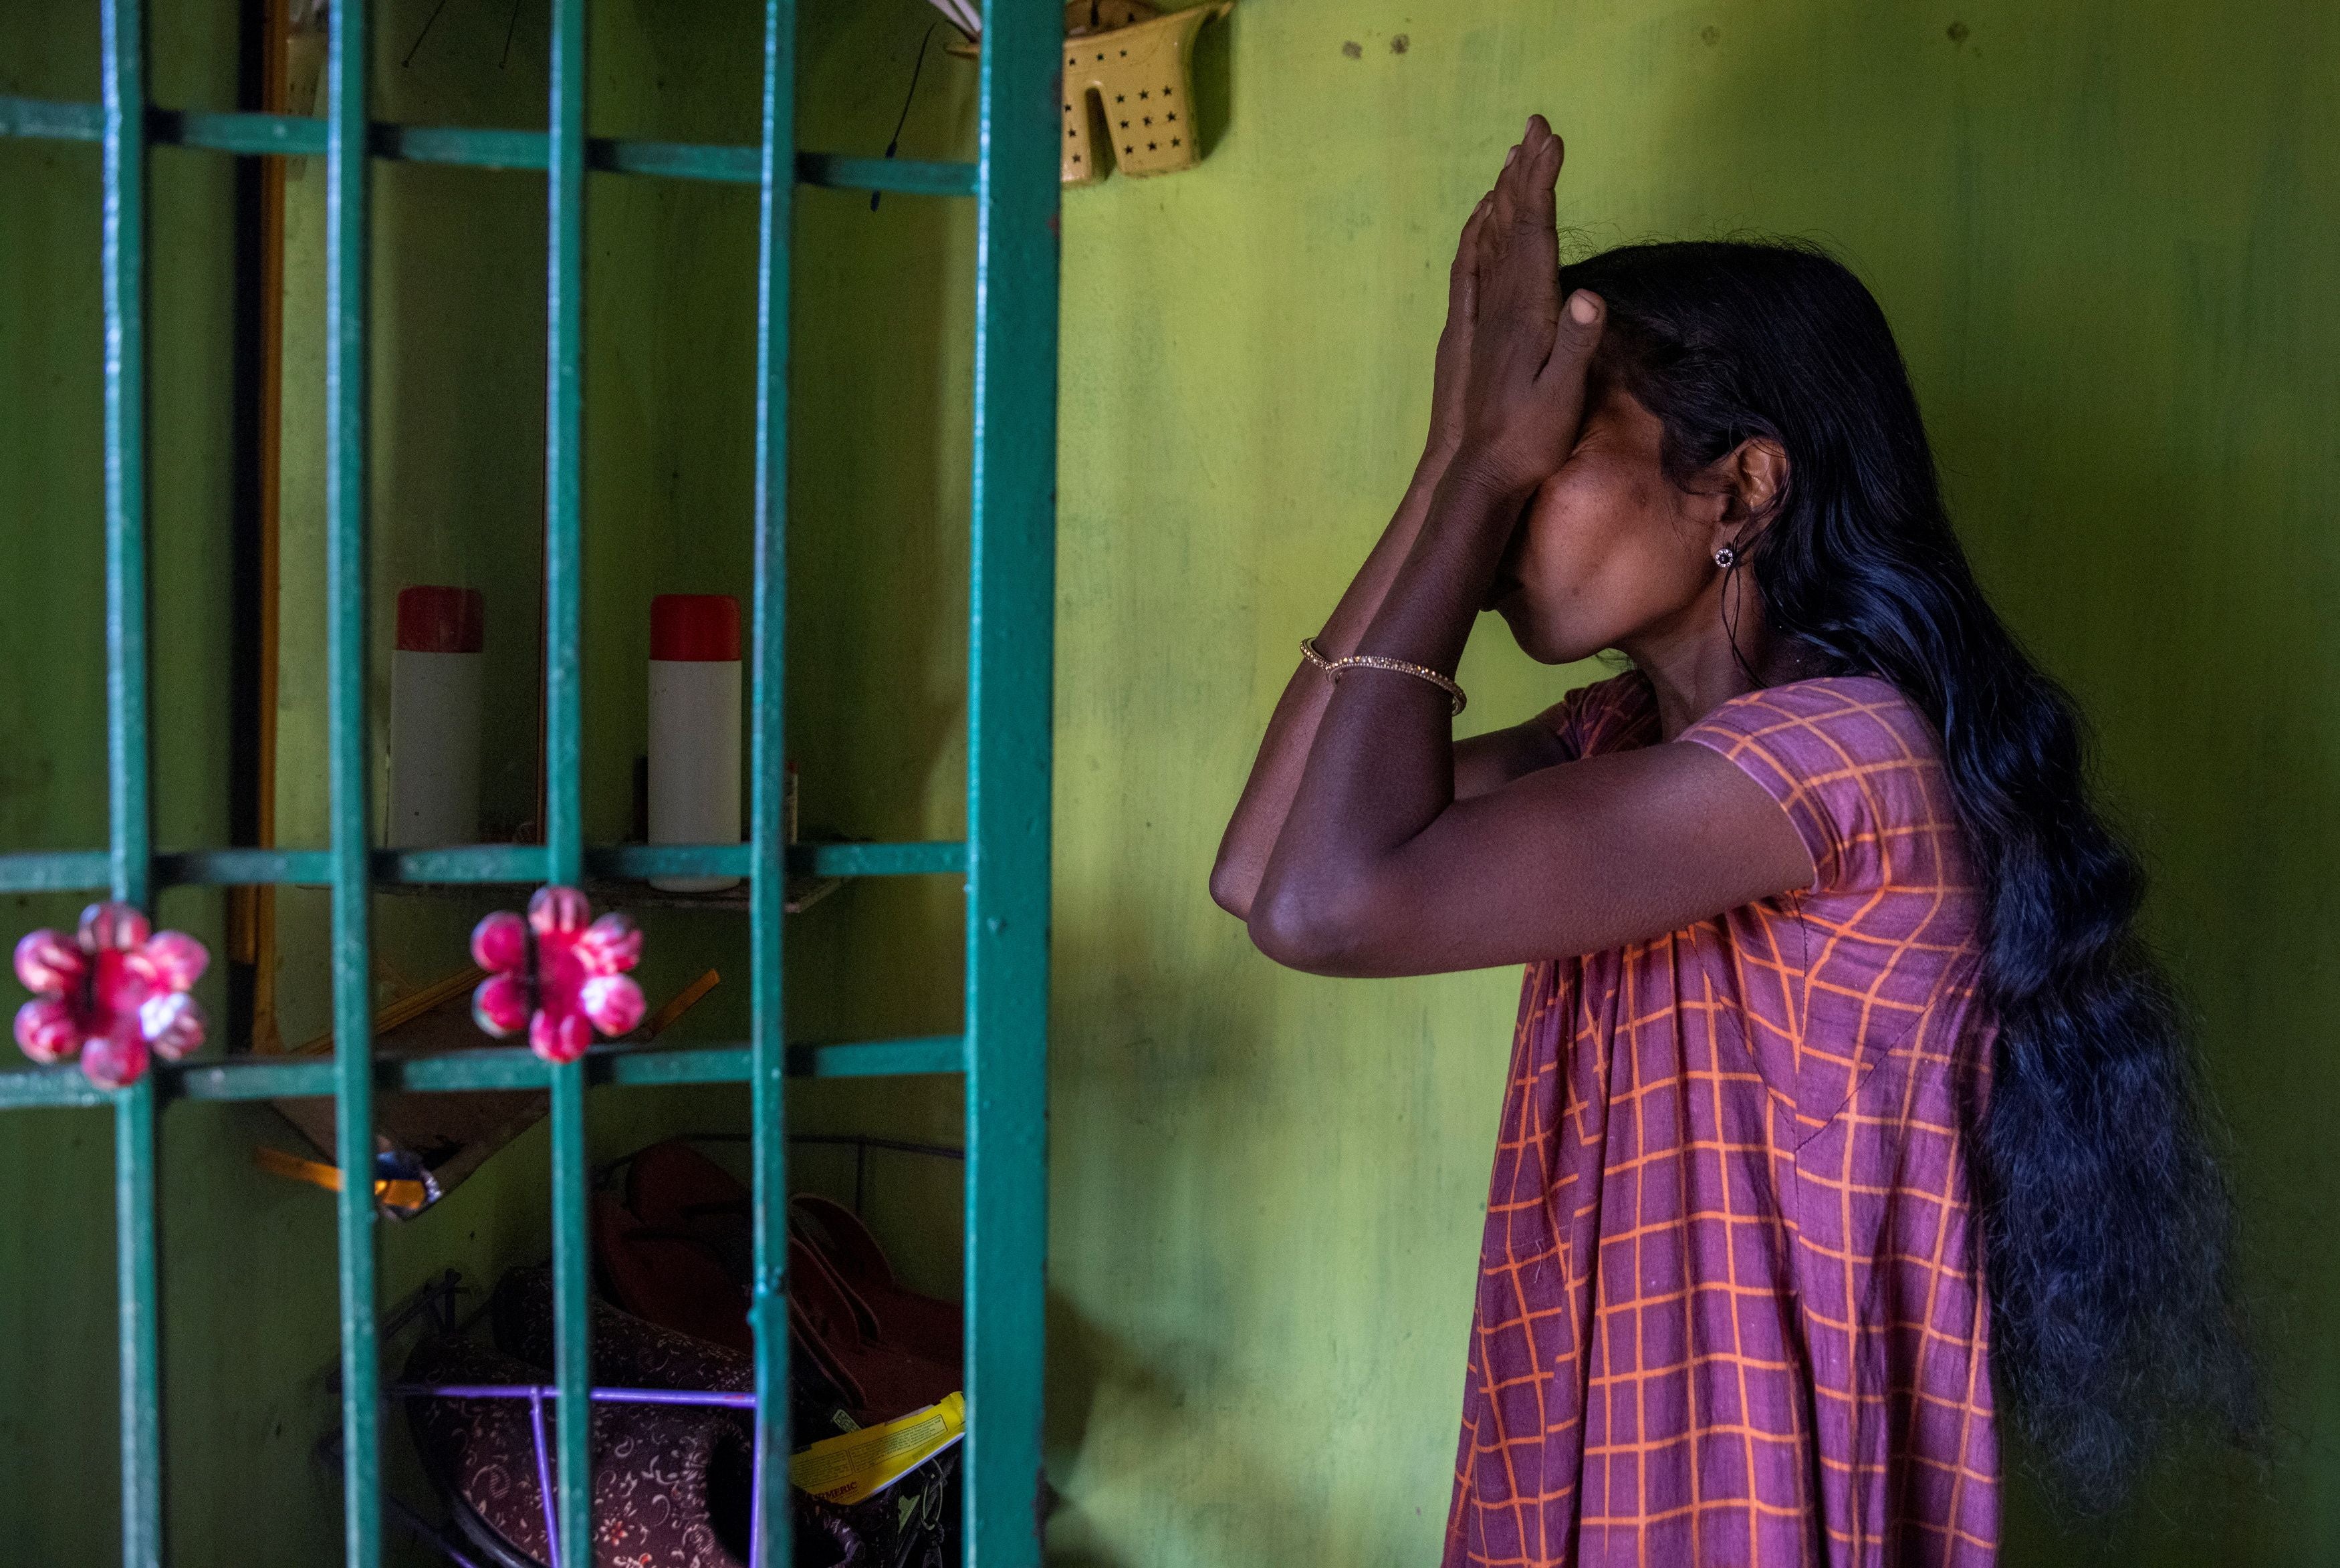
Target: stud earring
(1727, 556)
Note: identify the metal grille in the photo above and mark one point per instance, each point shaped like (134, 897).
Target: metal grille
(1004, 858)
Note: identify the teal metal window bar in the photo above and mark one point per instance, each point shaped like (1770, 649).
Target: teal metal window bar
(1004, 858)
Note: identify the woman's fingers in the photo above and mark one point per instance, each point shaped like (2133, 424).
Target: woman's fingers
(1576, 337)
(1531, 176)
(1505, 197)
(1544, 153)
(1451, 367)
(1462, 282)
(1536, 250)
(1516, 184)
(1518, 255)
(1517, 359)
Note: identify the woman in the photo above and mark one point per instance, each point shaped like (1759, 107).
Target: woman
(1792, 892)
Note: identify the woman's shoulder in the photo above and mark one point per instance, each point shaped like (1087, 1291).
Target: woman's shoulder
(1857, 767)
(1826, 724)
(1836, 722)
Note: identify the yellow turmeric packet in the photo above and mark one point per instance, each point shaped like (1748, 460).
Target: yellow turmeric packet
(863, 1464)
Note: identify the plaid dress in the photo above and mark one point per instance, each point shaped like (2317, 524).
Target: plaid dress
(1729, 1307)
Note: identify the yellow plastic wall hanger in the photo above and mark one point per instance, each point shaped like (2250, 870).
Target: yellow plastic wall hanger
(1129, 93)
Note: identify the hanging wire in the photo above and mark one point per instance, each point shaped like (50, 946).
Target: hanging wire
(903, 118)
(427, 25)
(510, 27)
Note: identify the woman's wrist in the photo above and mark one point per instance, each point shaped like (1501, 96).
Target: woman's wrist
(1437, 457)
(1478, 489)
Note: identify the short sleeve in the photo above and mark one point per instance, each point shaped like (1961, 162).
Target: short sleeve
(1611, 715)
(1859, 771)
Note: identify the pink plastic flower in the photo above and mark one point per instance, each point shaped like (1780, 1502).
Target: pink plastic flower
(557, 974)
(114, 995)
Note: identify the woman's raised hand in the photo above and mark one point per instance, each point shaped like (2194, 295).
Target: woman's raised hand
(1452, 370)
(1511, 363)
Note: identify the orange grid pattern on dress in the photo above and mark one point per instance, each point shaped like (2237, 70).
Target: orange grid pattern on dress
(1729, 1306)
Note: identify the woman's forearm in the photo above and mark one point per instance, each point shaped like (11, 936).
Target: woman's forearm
(1380, 766)
(1267, 794)
(1343, 888)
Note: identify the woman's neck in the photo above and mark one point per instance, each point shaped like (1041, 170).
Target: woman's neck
(1693, 667)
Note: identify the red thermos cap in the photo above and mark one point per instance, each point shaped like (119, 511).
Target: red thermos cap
(441, 620)
(695, 628)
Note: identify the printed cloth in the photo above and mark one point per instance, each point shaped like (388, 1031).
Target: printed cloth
(1729, 1309)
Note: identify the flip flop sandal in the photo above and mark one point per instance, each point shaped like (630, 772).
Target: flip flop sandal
(935, 1330)
(669, 1277)
(673, 1186)
(895, 1380)
(672, 1484)
(675, 1193)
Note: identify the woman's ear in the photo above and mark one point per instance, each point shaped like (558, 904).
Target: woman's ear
(1753, 480)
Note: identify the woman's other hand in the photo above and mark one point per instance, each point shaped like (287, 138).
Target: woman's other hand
(1451, 372)
(1484, 763)
(1516, 358)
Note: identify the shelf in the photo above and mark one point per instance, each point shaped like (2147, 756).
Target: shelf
(299, 136)
(502, 1067)
(77, 870)
(630, 894)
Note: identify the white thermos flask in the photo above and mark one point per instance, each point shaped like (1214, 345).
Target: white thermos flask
(434, 719)
(694, 739)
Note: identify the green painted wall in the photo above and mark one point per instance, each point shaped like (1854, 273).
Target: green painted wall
(2102, 232)
(2105, 234)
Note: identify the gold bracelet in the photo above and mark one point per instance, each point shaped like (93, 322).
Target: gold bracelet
(1308, 651)
(1398, 666)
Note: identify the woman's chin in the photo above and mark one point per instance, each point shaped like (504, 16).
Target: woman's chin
(1545, 644)
(1525, 631)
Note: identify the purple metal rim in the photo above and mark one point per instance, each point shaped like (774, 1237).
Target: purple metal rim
(541, 1391)
(544, 1480)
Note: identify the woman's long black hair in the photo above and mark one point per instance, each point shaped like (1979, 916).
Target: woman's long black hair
(2107, 1224)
